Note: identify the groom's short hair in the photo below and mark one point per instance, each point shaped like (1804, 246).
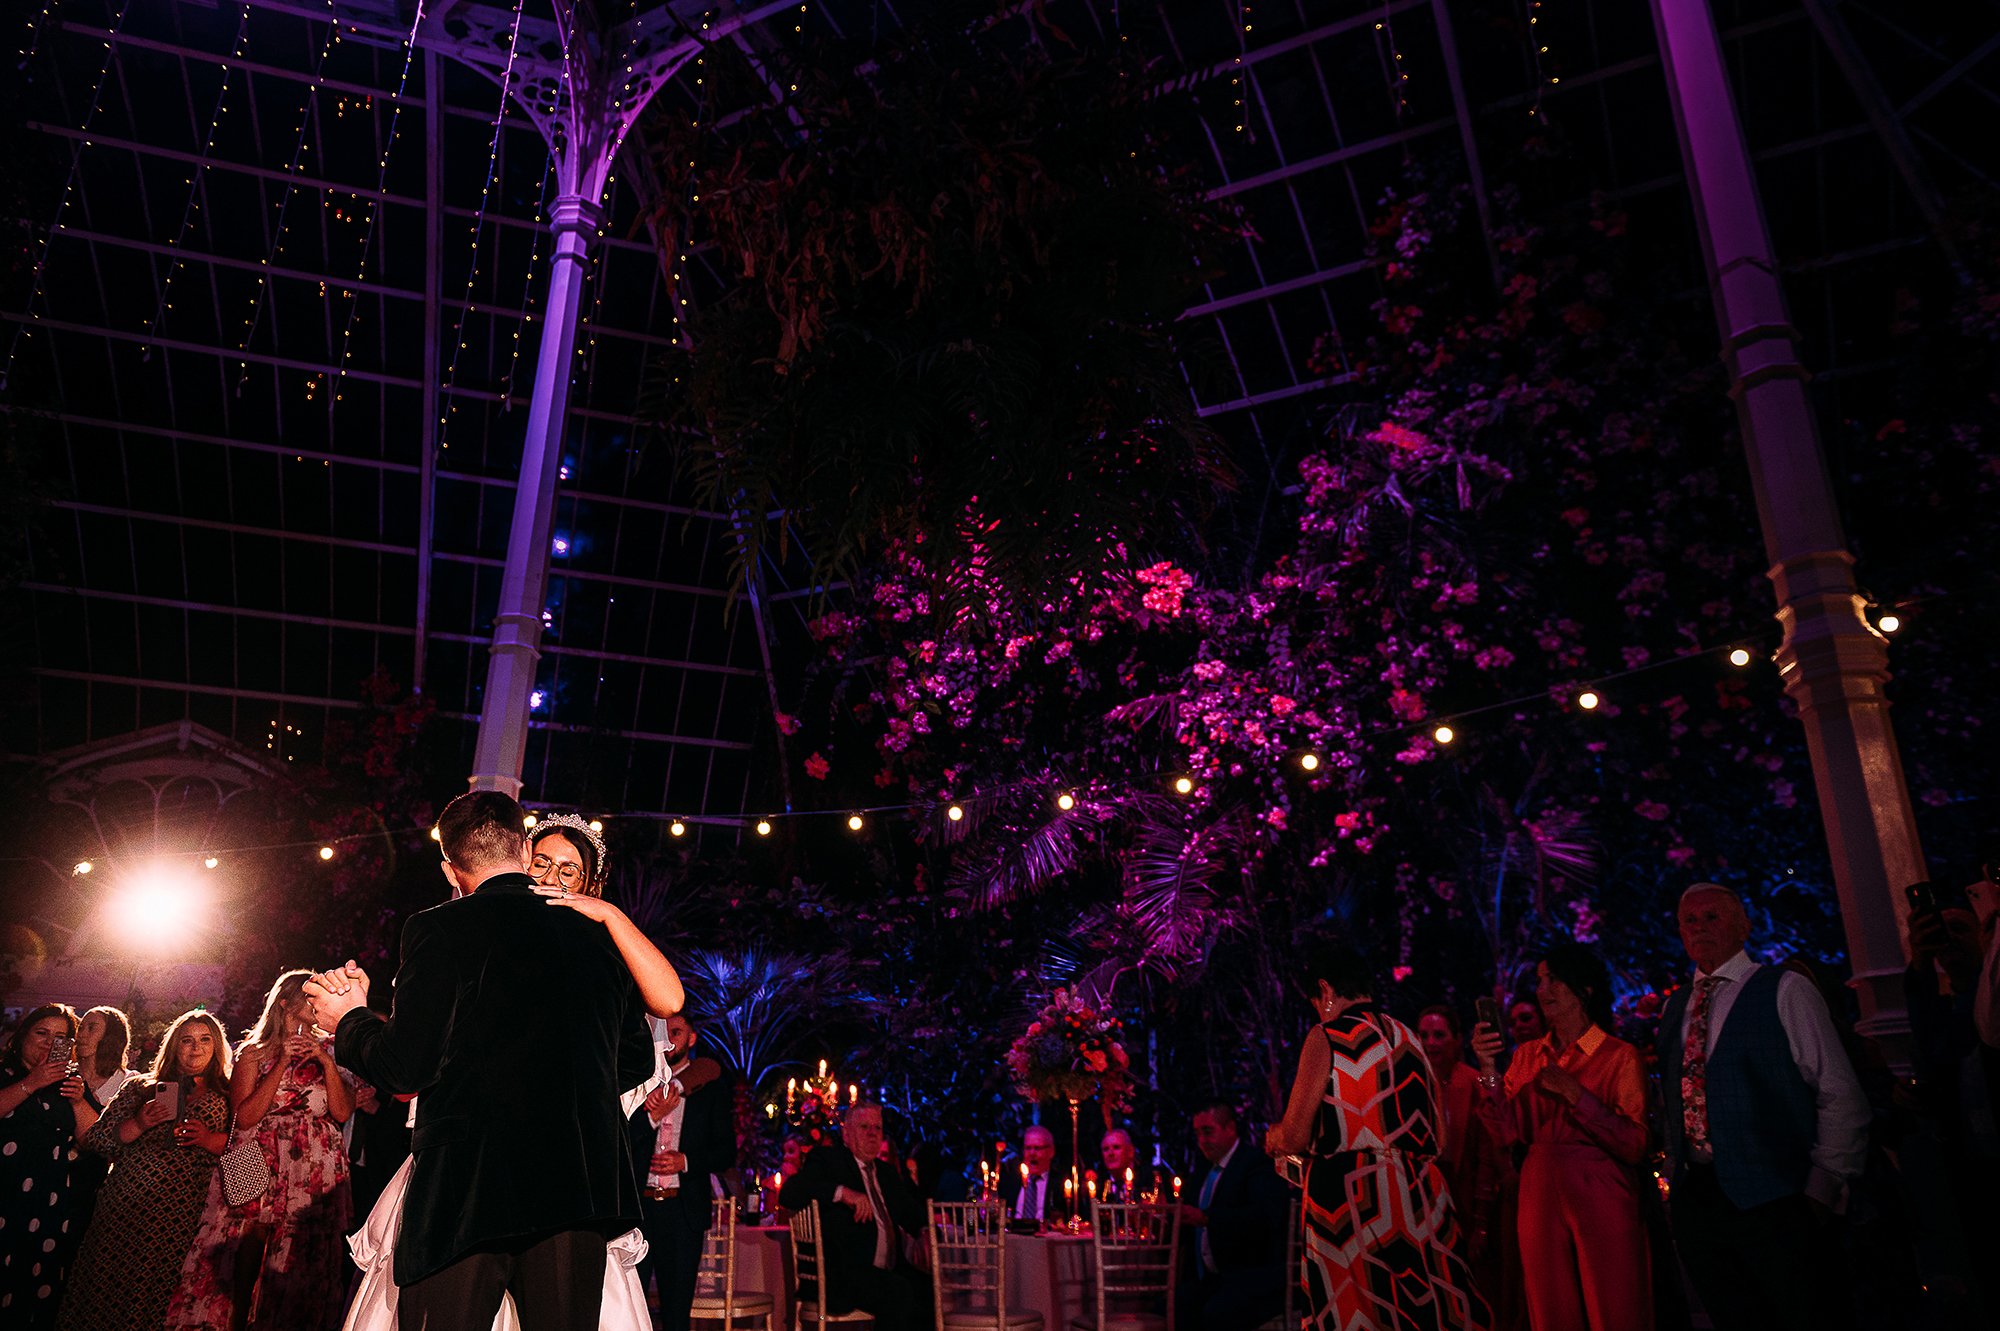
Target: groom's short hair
(480, 829)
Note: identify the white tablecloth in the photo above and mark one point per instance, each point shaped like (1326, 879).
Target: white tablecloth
(1050, 1274)
(764, 1266)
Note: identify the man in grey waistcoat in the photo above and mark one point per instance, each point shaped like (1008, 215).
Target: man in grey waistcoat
(1765, 1124)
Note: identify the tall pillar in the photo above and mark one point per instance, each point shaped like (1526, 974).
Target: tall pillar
(1832, 661)
(517, 628)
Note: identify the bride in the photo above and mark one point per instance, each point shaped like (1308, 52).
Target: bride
(569, 869)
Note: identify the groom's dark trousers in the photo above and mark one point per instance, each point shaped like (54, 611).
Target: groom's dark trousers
(516, 1024)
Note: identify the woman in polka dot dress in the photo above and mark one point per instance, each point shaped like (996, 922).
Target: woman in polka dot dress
(130, 1261)
(44, 1108)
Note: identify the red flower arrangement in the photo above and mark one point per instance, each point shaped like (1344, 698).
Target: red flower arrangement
(1071, 1051)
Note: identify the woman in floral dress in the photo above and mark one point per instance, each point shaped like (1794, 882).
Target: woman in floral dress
(277, 1259)
(1378, 1219)
(149, 1206)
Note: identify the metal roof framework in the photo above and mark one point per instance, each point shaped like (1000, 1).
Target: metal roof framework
(244, 201)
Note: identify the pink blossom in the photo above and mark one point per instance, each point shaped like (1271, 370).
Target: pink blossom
(1281, 705)
(1403, 973)
(1652, 809)
(817, 767)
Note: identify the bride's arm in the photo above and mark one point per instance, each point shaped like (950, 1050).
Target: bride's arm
(659, 982)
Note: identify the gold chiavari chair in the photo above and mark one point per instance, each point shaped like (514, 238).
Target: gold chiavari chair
(808, 1265)
(1133, 1252)
(969, 1269)
(715, 1296)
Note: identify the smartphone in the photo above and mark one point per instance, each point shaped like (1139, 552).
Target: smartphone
(61, 1050)
(168, 1093)
(1923, 899)
(1487, 1011)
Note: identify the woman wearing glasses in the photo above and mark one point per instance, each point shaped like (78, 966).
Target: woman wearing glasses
(568, 865)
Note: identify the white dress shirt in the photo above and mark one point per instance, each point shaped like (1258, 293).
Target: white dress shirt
(1840, 1143)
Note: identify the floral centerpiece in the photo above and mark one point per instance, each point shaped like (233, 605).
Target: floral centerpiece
(1071, 1051)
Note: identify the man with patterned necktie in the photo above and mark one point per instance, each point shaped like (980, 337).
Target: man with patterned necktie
(1027, 1195)
(1765, 1125)
(865, 1209)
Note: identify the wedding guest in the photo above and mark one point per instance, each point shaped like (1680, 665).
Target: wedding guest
(1363, 1109)
(1473, 1162)
(278, 1259)
(1238, 1222)
(103, 1038)
(1577, 1099)
(865, 1208)
(1035, 1195)
(165, 1146)
(103, 1041)
(791, 1154)
(685, 1132)
(1766, 1124)
(1524, 1022)
(1120, 1158)
(44, 1107)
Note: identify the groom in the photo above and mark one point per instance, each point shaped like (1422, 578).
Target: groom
(518, 1025)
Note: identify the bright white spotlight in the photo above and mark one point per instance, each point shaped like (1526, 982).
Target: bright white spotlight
(159, 908)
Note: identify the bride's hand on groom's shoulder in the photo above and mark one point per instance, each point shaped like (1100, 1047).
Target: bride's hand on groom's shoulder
(596, 908)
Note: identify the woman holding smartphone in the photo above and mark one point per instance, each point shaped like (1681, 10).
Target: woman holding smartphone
(44, 1108)
(282, 1248)
(1577, 1099)
(164, 1132)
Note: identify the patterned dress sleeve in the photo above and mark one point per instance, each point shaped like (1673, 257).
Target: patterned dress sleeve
(102, 1136)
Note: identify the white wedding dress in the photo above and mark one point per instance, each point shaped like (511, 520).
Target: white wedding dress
(374, 1249)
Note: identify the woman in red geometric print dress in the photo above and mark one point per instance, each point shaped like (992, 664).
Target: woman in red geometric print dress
(1379, 1226)
(278, 1260)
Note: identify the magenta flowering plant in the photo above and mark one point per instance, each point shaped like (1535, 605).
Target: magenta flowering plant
(1071, 1051)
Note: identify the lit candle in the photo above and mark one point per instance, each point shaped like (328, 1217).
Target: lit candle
(1069, 1189)
(1177, 1187)
(1090, 1185)
(777, 1181)
(985, 1175)
(1024, 1173)
(822, 1069)
(1127, 1195)
(853, 1092)
(770, 1111)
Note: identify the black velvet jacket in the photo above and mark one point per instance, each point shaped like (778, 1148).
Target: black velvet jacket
(849, 1246)
(517, 1024)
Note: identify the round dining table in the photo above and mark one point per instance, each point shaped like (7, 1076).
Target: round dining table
(1050, 1274)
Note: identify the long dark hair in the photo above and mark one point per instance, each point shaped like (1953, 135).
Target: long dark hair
(117, 1041)
(1583, 972)
(12, 1052)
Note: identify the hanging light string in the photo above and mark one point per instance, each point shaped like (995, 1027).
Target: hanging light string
(307, 114)
(37, 23)
(478, 226)
(1240, 114)
(600, 271)
(30, 313)
(1538, 49)
(1580, 695)
(527, 313)
(197, 183)
(1390, 53)
(375, 206)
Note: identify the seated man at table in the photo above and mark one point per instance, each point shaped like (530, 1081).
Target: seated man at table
(1238, 1219)
(1035, 1195)
(865, 1207)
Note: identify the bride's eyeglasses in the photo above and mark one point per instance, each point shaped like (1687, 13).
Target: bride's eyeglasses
(568, 873)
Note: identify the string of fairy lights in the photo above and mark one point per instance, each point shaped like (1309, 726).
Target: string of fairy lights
(197, 186)
(469, 307)
(375, 205)
(23, 328)
(308, 111)
(1588, 696)
(1389, 52)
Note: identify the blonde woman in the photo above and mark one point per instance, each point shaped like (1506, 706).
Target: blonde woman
(164, 1131)
(280, 1249)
